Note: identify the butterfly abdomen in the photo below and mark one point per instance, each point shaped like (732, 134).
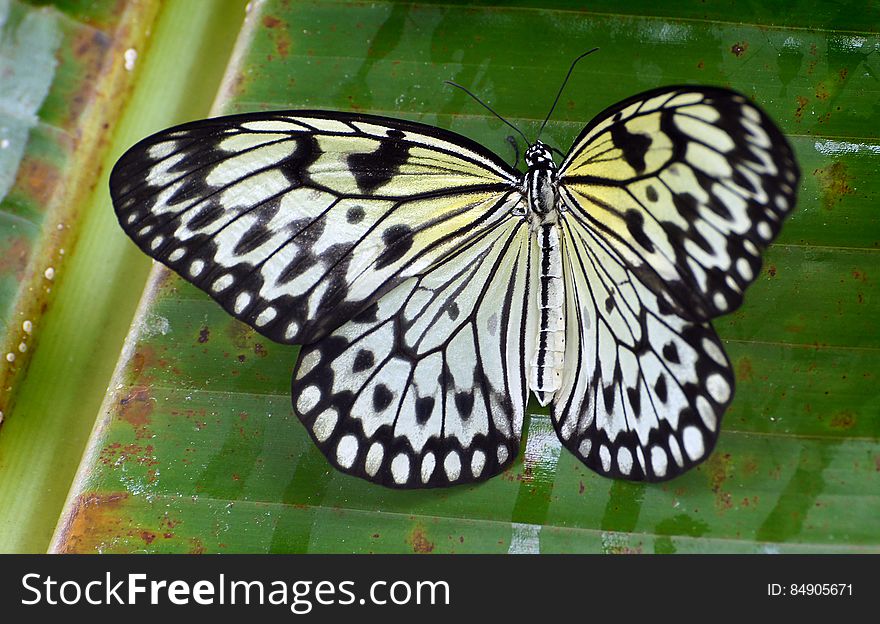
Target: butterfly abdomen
(546, 370)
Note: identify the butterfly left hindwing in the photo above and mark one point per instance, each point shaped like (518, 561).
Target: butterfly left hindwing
(427, 388)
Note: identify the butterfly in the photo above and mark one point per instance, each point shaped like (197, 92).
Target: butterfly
(434, 286)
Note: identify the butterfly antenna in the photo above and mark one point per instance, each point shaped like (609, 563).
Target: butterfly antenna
(486, 106)
(564, 82)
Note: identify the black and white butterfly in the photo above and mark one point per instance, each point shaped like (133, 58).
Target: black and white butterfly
(434, 286)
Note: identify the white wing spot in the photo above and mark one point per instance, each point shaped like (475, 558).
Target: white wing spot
(346, 451)
(428, 465)
(292, 330)
(400, 468)
(374, 458)
(177, 254)
(659, 461)
(452, 466)
(707, 413)
(585, 448)
(308, 399)
(242, 301)
(196, 267)
(693, 442)
(718, 388)
(478, 462)
(266, 316)
(675, 449)
(222, 283)
(145, 230)
(782, 202)
(714, 352)
(719, 300)
(745, 269)
(624, 460)
(749, 246)
(764, 230)
(641, 457)
(132, 218)
(502, 453)
(324, 424)
(605, 456)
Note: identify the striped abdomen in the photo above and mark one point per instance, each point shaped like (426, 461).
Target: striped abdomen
(546, 369)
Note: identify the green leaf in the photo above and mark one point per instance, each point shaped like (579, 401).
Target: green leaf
(196, 447)
(75, 281)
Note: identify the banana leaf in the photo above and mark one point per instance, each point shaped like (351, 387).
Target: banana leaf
(196, 448)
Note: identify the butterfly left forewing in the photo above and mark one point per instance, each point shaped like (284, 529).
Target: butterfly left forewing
(296, 221)
(427, 387)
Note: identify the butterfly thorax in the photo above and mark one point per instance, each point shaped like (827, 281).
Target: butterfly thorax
(546, 366)
(540, 182)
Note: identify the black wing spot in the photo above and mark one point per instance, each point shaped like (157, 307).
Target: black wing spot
(452, 310)
(633, 146)
(609, 304)
(670, 352)
(660, 388)
(382, 397)
(363, 360)
(464, 403)
(635, 223)
(609, 394)
(651, 193)
(373, 169)
(355, 214)
(398, 240)
(424, 409)
(635, 400)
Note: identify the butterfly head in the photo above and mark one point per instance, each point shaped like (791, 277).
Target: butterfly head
(539, 156)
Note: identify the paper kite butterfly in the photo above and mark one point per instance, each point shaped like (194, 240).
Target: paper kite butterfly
(433, 286)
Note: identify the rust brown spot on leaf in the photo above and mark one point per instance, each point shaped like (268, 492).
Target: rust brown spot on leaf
(37, 179)
(835, 183)
(93, 520)
(14, 257)
(419, 540)
(739, 48)
(744, 371)
(843, 420)
(136, 407)
(802, 104)
(719, 468)
(204, 335)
